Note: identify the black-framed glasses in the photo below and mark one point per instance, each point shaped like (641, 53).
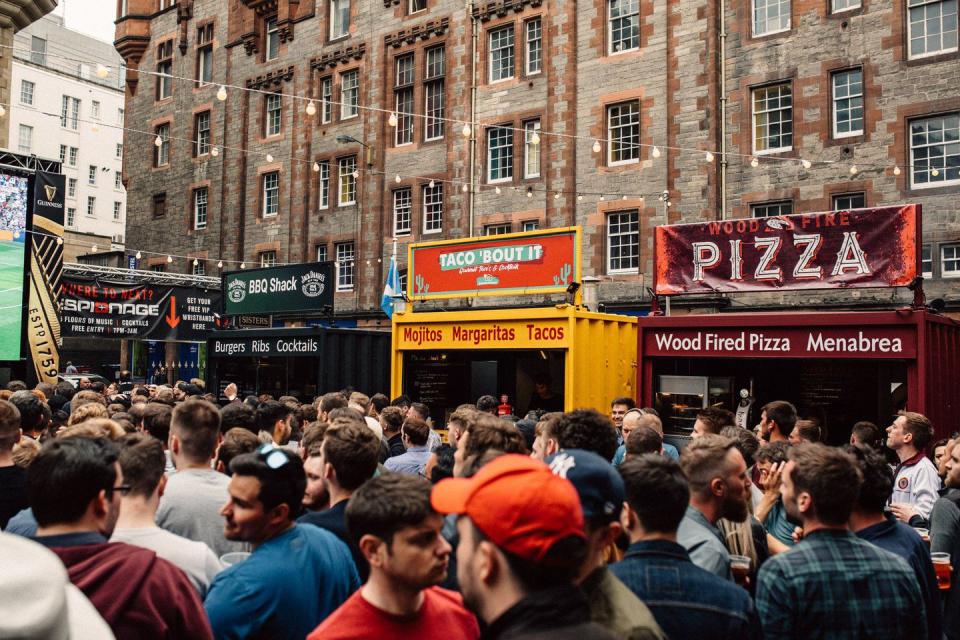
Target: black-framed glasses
(122, 489)
(272, 455)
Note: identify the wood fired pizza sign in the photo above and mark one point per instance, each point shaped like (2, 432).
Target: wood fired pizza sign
(838, 249)
(537, 262)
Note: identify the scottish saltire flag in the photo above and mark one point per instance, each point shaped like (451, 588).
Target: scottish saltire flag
(391, 288)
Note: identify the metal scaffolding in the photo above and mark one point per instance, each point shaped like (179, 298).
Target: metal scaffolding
(136, 276)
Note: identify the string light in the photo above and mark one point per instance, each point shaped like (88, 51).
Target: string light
(656, 151)
(806, 163)
(432, 183)
(466, 131)
(624, 197)
(556, 196)
(392, 120)
(935, 172)
(139, 255)
(219, 264)
(853, 170)
(709, 156)
(529, 192)
(754, 162)
(579, 197)
(3, 110)
(243, 265)
(222, 93)
(102, 71)
(169, 259)
(316, 167)
(465, 188)
(93, 248)
(601, 197)
(398, 179)
(59, 241)
(535, 139)
(214, 151)
(158, 141)
(596, 146)
(196, 262)
(497, 190)
(311, 108)
(355, 174)
(269, 158)
(896, 170)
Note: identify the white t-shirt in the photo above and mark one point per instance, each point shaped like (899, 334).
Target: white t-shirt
(193, 558)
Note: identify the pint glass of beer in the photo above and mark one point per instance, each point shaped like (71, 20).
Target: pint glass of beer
(941, 565)
(740, 568)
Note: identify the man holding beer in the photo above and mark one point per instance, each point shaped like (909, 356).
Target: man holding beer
(945, 540)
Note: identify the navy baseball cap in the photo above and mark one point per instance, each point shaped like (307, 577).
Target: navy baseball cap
(600, 487)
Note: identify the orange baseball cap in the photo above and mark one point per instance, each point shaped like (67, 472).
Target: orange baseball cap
(518, 504)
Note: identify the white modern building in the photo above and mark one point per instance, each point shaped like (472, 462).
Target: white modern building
(60, 107)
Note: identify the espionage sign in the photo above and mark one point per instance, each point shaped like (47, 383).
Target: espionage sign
(839, 249)
(537, 262)
(292, 288)
(91, 309)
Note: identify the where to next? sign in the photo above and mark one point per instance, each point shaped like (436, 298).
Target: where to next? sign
(294, 288)
(535, 262)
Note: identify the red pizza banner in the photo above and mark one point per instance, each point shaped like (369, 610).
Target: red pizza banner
(535, 262)
(837, 249)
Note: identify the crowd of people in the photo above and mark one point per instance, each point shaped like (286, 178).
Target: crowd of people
(160, 513)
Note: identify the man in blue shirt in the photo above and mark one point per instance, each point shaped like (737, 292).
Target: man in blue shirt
(297, 574)
(832, 584)
(634, 418)
(414, 433)
(687, 601)
(870, 523)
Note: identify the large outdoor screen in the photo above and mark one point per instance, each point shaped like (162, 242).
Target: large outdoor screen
(13, 222)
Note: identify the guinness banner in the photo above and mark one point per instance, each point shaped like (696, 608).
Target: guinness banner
(91, 309)
(294, 288)
(46, 266)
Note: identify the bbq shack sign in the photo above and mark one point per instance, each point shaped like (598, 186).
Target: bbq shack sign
(838, 249)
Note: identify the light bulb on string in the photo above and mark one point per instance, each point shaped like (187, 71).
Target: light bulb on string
(59, 241)
(466, 131)
(535, 139)
(269, 157)
(222, 93)
(853, 170)
(214, 151)
(355, 174)
(392, 120)
(433, 184)
(556, 196)
(465, 188)
(219, 264)
(169, 259)
(624, 196)
(497, 190)
(709, 156)
(93, 248)
(579, 197)
(754, 162)
(158, 141)
(656, 151)
(102, 71)
(529, 192)
(243, 265)
(139, 255)
(935, 172)
(806, 163)
(398, 179)
(596, 146)
(196, 262)
(601, 197)
(3, 110)
(896, 170)
(316, 167)
(311, 108)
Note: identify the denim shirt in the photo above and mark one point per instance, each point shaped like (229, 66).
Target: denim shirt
(687, 601)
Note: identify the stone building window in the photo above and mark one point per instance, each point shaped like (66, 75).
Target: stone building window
(323, 177)
(771, 209)
(200, 201)
(272, 35)
(345, 254)
(205, 54)
(271, 194)
(933, 27)
(847, 87)
(272, 115)
(326, 100)
(403, 99)
(950, 261)
(201, 133)
(339, 18)
(773, 118)
(531, 150)
(770, 16)
(321, 253)
(348, 181)
(161, 154)
(415, 6)
(623, 242)
(501, 53)
(165, 69)
(623, 133)
(433, 89)
(497, 229)
(499, 154)
(349, 94)
(623, 25)
(935, 151)
(433, 208)
(926, 261)
(529, 225)
(26, 91)
(847, 201)
(533, 46)
(838, 6)
(402, 211)
(159, 205)
(268, 258)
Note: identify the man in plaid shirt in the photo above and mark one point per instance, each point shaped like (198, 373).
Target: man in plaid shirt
(832, 584)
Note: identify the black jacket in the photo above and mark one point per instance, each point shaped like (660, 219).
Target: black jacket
(558, 613)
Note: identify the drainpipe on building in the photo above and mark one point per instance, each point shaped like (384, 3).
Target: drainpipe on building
(723, 109)
(473, 113)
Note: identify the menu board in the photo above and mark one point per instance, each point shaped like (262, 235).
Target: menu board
(436, 381)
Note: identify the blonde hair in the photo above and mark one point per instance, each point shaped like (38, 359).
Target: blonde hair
(94, 428)
(87, 412)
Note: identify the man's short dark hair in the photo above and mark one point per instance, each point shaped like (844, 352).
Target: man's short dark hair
(747, 442)
(831, 477)
(657, 491)
(386, 504)
(66, 475)
(269, 413)
(809, 430)
(16, 385)
(422, 410)
(143, 462)
(775, 452)
(31, 408)
(353, 450)
(284, 484)
(416, 431)
(917, 424)
(783, 413)
(643, 440)
(715, 418)
(867, 433)
(486, 432)
(236, 415)
(625, 401)
(392, 418)
(379, 401)
(877, 478)
(444, 467)
(313, 438)
(487, 404)
(196, 423)
(587, 429)
(66, 389)
(346, 412)
(236, 442)
(156, 420)
(402, 401)
(9, 425)
(330, 401)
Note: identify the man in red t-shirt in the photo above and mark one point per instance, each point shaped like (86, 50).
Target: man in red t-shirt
(398, 532)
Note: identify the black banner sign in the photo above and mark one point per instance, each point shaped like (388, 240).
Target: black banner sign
(48, 196)
(46, 267)
(294, 288)
(142, 312)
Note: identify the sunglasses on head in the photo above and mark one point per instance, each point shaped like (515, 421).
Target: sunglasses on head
(272, 455)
